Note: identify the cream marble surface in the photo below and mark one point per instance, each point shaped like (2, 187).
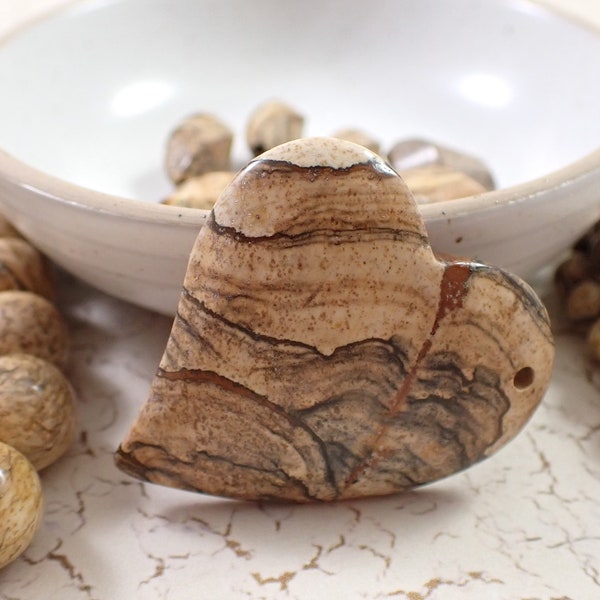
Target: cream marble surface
(523, 525)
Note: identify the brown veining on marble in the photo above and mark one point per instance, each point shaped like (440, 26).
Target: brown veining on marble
(321, 351)
(433, 585)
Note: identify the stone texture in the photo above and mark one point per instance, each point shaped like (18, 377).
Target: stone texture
(358, 136)
(37, 411)
(271, 124)
(7, 229)
(437, 183)
(201, 191)
(20, 503)
(199, 144)
(23, 267)
(417, 153)
(321, 351)
(31, 324)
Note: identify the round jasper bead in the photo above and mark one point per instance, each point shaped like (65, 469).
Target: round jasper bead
(31, 324)
(20, 503)
(23, 267)
(37, 409)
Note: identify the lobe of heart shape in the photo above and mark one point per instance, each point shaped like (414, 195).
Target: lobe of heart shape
(321, 351)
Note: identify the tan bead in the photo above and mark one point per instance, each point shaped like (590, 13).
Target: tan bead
(436, 183)
(31, 324)
(201, 191)
(271, 124)
(417, 153)
(357, 136)
(321, 351)
(593, 341)
(23, 267)
(7, 229)
(583, 301)
(572, 271)
(201, 143)
(21, 504)
(37, 408)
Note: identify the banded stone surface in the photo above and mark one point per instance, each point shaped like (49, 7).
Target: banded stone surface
(321, 351)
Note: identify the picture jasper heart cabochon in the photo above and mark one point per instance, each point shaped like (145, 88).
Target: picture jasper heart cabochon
(321, 351)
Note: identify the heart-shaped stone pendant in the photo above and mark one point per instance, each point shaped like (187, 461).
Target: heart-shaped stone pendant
(321, 350)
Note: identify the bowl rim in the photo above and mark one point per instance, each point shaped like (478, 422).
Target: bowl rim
(21, 174)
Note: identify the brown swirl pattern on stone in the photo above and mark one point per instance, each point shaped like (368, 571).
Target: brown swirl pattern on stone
(321, 351)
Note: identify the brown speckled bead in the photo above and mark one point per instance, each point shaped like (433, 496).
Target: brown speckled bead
(23, 267)
(200, 144)
(437, 182)
(360, 137)
(201, 191)
(20, 503)
(31, 324)
(321, 351)
(417, 153)
(37, 412)
(272, 123)
(6, 229)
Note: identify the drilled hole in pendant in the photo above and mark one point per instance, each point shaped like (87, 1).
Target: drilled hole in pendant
(523, 378)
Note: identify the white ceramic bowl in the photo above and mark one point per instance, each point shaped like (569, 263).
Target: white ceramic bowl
(90, 93)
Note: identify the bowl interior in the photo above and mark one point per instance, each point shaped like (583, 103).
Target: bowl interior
(90, 94)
